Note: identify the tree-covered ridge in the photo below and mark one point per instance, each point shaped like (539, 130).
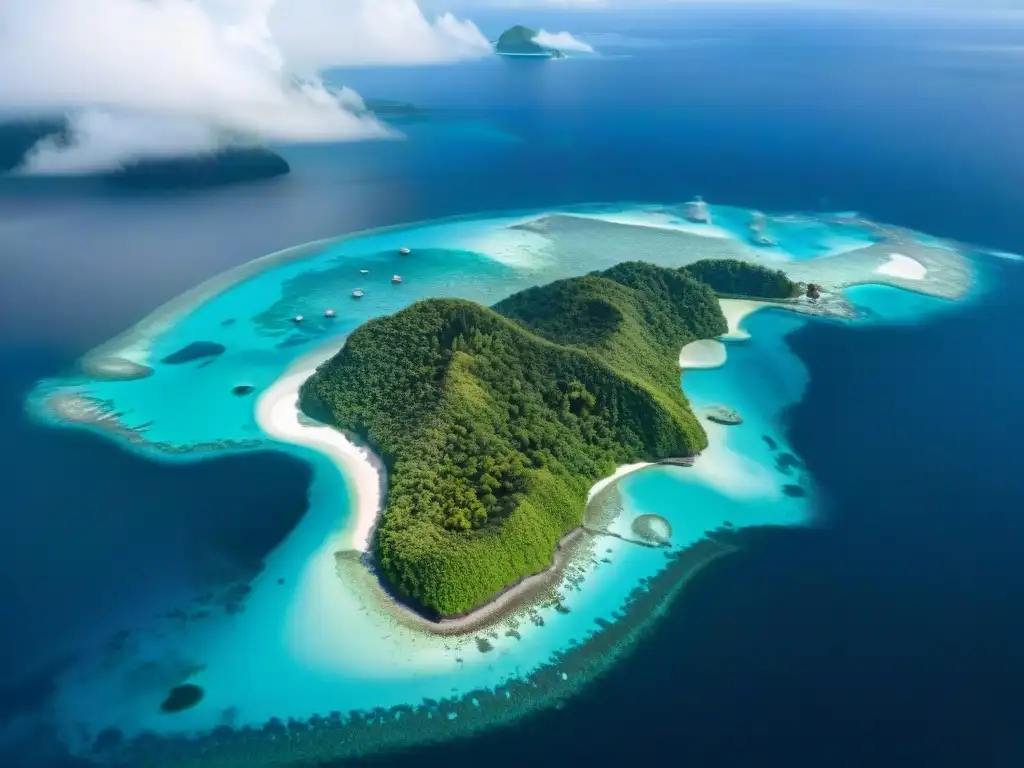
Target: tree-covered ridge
(741, 278)
(494, 423)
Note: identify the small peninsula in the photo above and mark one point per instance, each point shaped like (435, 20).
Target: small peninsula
(494, 423)
(521, 41)
(729, 277)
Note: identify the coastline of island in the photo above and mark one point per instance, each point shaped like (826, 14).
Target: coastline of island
(279, 415)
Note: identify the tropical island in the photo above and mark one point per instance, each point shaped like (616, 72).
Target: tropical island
(521, 41)
(493, 423)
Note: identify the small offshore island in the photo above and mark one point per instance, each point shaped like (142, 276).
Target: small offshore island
(522, 41)
(232, 163)
(494, 423)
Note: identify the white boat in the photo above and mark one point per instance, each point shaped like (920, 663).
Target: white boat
(328, 313)
(404, 251)
(357, 293)
(396, 279)
(364, 271)
(298, 318)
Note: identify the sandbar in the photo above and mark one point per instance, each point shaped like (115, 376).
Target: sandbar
(735, 310)
(706, 353)
(902, 267)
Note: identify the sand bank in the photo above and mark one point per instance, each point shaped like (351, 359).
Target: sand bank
(735, 310)
(706, 353)
(902, 267)
(277, 413)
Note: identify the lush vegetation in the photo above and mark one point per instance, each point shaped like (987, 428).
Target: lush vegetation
(741, 278)
(494, 423)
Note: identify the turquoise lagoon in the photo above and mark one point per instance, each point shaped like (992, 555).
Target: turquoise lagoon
(308, 660)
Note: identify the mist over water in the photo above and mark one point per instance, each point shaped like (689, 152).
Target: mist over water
(888, 629)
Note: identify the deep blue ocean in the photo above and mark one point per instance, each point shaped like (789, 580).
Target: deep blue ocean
(890, 634)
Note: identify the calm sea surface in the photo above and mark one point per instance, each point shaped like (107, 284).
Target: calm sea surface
(889, 635)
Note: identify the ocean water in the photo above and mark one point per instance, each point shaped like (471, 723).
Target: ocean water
(886, 629)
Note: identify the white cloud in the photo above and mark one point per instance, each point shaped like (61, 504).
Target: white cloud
(159, 77)
(563, 41)
(324, 33)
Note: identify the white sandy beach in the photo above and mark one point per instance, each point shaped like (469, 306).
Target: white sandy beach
(622, 471)
(706, 353)
(277, 413)
(735, 310)
(729, 472)
(902, 267)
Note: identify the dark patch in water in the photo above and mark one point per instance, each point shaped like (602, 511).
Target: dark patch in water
(484, 645)
(794, 491)
(197, 350)
(772, 445)
(242, 390)
(294, 341)
(786, 461)
(227, 322)
(107, 739)
(182, 697)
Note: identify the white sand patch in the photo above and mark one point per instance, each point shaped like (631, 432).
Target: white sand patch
(706, 353)
(657, 220)
(517, 248)
(622, 471)
(729, 472)
(902, 267)
(735, 310)
(277, 413)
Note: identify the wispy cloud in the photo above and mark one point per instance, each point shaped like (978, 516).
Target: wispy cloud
(160, 77)
(563, 41)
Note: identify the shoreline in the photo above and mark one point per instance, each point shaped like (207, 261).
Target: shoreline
(524, 595)
(279, 416)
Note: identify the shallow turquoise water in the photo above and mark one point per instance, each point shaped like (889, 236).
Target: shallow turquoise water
(317, 639)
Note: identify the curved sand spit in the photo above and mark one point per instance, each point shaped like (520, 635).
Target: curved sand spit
(277, 413)
(706, 353)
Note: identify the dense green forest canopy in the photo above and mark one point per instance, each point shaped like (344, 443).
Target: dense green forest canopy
(494, 423)
(741, 278)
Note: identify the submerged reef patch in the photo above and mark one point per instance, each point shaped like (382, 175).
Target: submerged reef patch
(652, 528)
(197, 350)
(723, 414)
(337, 736)
(182, 697)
